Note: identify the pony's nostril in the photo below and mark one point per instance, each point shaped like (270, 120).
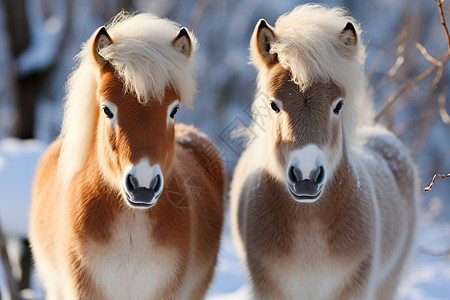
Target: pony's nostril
(155, 184)
(131, 183)
(318, 175)
(294, 174)
(291, 175)
(321, 176)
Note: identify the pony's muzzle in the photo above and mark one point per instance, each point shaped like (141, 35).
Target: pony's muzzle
(143, 185)
(306, 189)
(306, 173)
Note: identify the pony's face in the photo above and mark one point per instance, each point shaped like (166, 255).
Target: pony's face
(306, 128)
(306, 132)
(135, 141)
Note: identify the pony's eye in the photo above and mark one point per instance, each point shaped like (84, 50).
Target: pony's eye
(108, 113)
(338, 107)
(275, 107)
(174, 111)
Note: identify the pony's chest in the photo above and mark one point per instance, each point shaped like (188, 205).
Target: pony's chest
(299, 280)
(131, 265)
(310, 270)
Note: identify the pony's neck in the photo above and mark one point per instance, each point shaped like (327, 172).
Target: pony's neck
(343, 184)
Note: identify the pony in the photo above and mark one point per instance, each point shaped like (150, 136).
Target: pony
(126, 203)
(323, 202)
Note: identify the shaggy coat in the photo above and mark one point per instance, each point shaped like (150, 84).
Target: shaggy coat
(348, 233)
(93, 234)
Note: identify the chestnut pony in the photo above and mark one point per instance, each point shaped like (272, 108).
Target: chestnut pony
(126, 204)
(323, 202)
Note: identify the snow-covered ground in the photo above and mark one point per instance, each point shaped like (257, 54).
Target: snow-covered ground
(428, 278)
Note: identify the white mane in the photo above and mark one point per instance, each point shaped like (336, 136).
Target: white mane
(307, 44)
(144, 59)
(155, 62)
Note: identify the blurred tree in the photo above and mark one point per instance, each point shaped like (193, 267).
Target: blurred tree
(19, 37)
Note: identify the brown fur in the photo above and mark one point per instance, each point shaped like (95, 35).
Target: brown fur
(329, 246)
(70, 225)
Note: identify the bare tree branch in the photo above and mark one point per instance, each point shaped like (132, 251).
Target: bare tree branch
(197, 12)
(398, 62)
(437, 64)
(441, 13)
(406, 87)
(434, 61)
(428, 188)
(12, 285)
(427, 251)
(442, 110)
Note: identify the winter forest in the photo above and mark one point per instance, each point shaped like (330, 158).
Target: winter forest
(408, 49)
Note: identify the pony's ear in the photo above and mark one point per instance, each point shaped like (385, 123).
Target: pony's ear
(348, 35)
(183, 43)
(262, 38)
(101, 40)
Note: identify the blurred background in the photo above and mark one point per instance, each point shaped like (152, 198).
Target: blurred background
(39, 39)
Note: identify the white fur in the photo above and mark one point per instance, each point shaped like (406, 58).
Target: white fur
(307, 159)
(376, 274)
(144, 58)
(156, 63)
(130, 255)
(317, 277)
(308, 283)
(144, 172)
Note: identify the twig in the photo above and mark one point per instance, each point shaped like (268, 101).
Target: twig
(198, 12)
(437, 64)
(434, 61)
(441, 13)
(376, 63)
(406, 87)
(442, 110)
(435, 252)
(14, 291)
(399, 40)
(428, 188)
(399, 61)
(427, 56)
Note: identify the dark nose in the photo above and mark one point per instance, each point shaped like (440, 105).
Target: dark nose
(295, 175)
(308, 186)
(316, 176)
(142, 194)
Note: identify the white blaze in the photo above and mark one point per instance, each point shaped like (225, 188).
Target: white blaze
(144, 172)
(306, 159)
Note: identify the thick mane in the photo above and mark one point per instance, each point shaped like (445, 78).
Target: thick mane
(155, 62)
(307, 44)
(144, 59)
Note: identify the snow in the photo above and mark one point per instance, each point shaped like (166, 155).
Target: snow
(184, 140)
(18, 160)
(429, 276)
